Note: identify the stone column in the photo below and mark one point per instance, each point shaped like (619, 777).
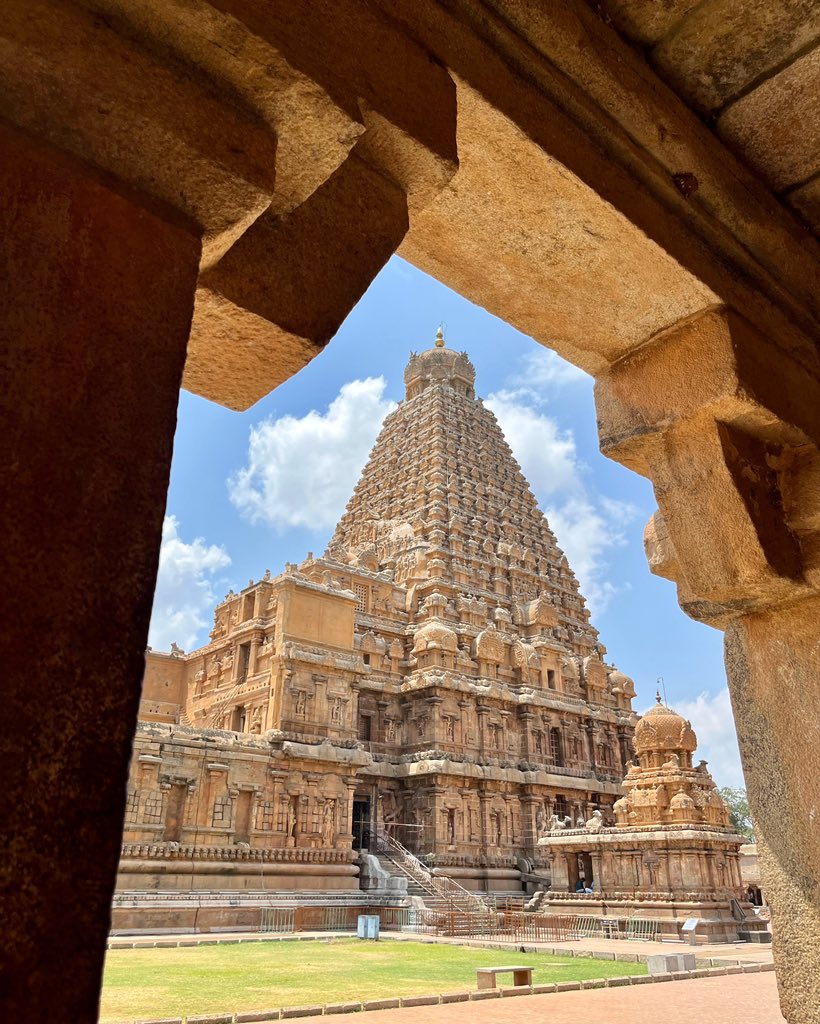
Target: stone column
(96, 297)
(434, 711)
(727, 425)
(252, 656)
(481, 724)
(525, 717)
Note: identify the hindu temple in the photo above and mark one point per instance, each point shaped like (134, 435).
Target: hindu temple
(672, 858)
(433, 676)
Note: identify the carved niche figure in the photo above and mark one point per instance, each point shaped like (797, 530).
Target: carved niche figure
(300, 705)
(336, 711)
(329, 823)
(291, 819)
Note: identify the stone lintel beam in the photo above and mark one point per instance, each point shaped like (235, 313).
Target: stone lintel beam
(280, 294)
(122, 98)
(574, 93)
(96, 298)
(716, 415)
(716, 366)
(253, 330)
(244, 117)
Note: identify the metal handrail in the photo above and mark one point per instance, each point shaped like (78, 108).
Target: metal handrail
(440, 886)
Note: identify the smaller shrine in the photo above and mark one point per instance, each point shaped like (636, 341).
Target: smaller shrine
(670, 855)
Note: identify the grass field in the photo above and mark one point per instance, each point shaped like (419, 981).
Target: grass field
(261, 975)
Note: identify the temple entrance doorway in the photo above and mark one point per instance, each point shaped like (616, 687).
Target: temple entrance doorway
(361, 823)
(584, 870)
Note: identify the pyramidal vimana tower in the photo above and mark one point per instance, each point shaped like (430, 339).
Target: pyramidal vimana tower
(434, 675)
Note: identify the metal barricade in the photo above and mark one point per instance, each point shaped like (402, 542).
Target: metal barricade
(642, 928)
(278, 919)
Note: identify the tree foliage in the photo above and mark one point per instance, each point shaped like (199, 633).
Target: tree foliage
(739, 815)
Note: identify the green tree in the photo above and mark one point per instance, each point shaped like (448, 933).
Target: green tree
(739, 814)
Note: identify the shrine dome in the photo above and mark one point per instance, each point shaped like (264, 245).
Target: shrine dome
(663, 730)
(439, 365)
(621, 683)
(435, 635)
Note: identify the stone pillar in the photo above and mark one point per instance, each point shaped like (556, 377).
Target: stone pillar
(253, 655)
(434, 711)
(96, 297)
(727, 425)
(525, 717)
(481, 724)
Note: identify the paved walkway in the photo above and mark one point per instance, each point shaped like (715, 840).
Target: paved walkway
(735, 999)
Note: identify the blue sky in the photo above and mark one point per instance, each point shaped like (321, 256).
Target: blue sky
(250, 491)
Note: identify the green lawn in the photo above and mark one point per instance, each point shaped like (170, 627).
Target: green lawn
(262, 975)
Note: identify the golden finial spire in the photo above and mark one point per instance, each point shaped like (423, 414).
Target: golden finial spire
(658, 696)
(439, 337)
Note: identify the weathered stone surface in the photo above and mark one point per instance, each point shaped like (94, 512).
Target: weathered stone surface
(806, 199)
(712, 55)
(95, 299)
(555, 242)
(720, 439)
(773, 667)
(252, 330)
(647, 21)
(777, 125)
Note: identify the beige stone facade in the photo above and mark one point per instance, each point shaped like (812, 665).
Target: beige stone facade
(434, 674)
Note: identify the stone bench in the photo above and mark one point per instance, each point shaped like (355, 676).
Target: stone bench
(486, 976)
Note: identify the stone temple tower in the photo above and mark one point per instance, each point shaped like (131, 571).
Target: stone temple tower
(434, 675)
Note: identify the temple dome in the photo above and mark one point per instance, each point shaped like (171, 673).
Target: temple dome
(621, 683)
(435, 635)
(663, 730)
(682, 802)
(439, 365)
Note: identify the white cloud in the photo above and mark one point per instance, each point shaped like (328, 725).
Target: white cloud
(587, 526)
(302, 470)
(545, 453)
(711, 718)
(184, 593)
(542, 368)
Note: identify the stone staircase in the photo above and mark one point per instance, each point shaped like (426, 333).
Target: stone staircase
(438, 892)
